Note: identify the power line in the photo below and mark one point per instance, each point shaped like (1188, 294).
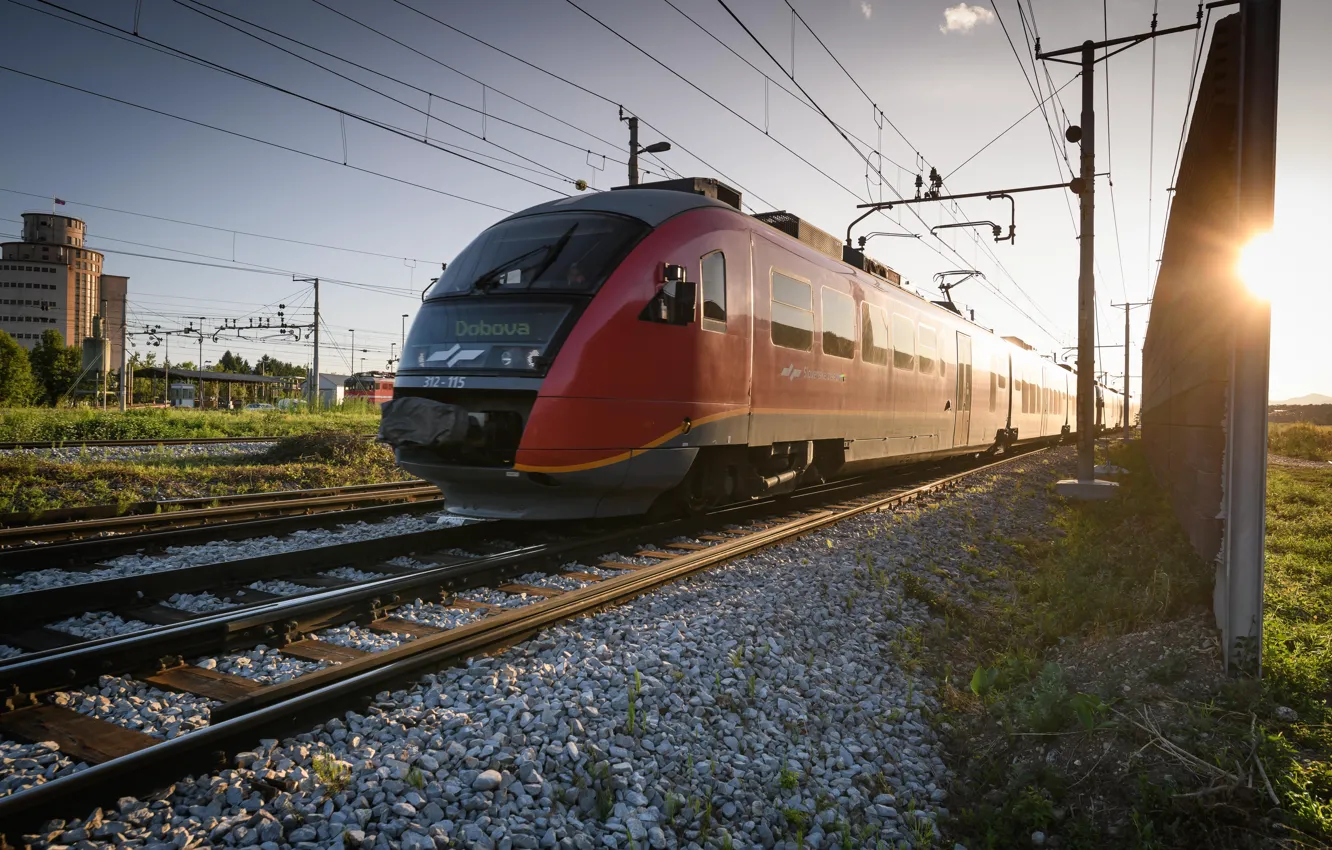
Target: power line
(1199, 41)
(913, 210)
(1024, 117)
(240, 135)
(1110, 148)
(144, 41)
(220, 229)
(430, 94)
(674, 143)
(1151, 145)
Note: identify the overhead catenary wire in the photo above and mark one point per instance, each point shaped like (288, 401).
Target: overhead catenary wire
(1110, 148)
(1199, 42)
(219, 229)
(255, 139)
(431, 94)
(143, 41)
(853, 146)
(674, 143)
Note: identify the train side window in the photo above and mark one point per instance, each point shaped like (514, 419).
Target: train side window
(926, 349)
(873, 334)
(792, 313)
(994, 383)
(839, 323)
(904, 342)
(714, 292)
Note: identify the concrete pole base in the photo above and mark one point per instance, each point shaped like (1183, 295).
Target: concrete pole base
(1086, 491)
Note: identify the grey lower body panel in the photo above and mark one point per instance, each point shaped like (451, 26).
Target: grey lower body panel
(624, 488)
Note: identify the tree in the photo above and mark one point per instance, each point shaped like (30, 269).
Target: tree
(55, 366)
(274, 368)
(16, 384)
(229, 362)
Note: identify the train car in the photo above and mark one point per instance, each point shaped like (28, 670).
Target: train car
(607, 353)
(374, 387)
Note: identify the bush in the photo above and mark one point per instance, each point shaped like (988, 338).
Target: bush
(331, 446)
(1300, 439)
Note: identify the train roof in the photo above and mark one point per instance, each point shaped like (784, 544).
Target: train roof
(648, 203)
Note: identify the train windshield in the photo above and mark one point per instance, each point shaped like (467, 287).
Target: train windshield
(554, 252)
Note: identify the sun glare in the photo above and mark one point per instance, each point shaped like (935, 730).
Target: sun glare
(1262, 265)
(1276, 263)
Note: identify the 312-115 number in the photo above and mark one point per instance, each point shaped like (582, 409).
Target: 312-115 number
(453, 382)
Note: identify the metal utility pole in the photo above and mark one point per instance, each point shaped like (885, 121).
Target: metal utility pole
(1128, 307)
(635, 150)
(124, 364)
(312, 389)
(1086, 486)
(1245, 470)
(352, 331)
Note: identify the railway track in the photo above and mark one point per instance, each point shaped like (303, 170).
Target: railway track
(244, 710)
(73, 524)
(163, 441)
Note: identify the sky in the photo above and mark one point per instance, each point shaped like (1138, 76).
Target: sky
(939, 81)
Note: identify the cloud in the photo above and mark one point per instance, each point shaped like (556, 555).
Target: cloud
(866, 9)
(965, 18)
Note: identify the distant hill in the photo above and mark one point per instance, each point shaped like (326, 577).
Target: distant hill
(1311, 398)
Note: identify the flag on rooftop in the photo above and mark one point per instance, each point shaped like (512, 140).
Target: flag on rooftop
(60, 202)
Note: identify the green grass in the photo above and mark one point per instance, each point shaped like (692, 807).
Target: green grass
(1297, 641)
(72, 425)
(29, 483)
(1084, 593)
(1300, 439)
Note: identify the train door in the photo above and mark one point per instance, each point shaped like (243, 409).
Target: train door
(962, 416)
(1045, 401)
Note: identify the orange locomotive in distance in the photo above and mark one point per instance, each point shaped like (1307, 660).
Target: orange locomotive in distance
(374, 387)
(654, 347)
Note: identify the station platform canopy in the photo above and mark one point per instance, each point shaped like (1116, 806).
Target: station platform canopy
(157, 372)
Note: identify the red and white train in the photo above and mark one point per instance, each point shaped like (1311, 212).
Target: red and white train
(372, 387)
(601, 354)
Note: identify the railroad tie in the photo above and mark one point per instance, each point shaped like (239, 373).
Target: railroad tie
(213, 684)
(393, 625)
(583, 576)
(320, 650)
(531, 590)
(80, 737)
(620, 565)
(659, 555)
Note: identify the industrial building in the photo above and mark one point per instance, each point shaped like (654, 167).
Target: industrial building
(51, 281)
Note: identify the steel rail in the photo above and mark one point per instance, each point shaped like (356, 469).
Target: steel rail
(295, 704)
(244, 509)
(149, 441)
(154, 506)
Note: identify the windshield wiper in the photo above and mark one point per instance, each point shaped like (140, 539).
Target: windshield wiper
(553, 250)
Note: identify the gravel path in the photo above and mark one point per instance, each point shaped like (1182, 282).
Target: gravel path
(1282, 460)
(757, 704)
(177, 557)
(77, 453)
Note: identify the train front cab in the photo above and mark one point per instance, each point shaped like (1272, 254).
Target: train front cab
(606, 395)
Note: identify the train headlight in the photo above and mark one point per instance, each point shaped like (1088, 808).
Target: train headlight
(519, 357)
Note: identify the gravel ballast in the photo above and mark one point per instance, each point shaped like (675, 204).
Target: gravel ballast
(134, 705)
(759, 702)
(27, 765)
